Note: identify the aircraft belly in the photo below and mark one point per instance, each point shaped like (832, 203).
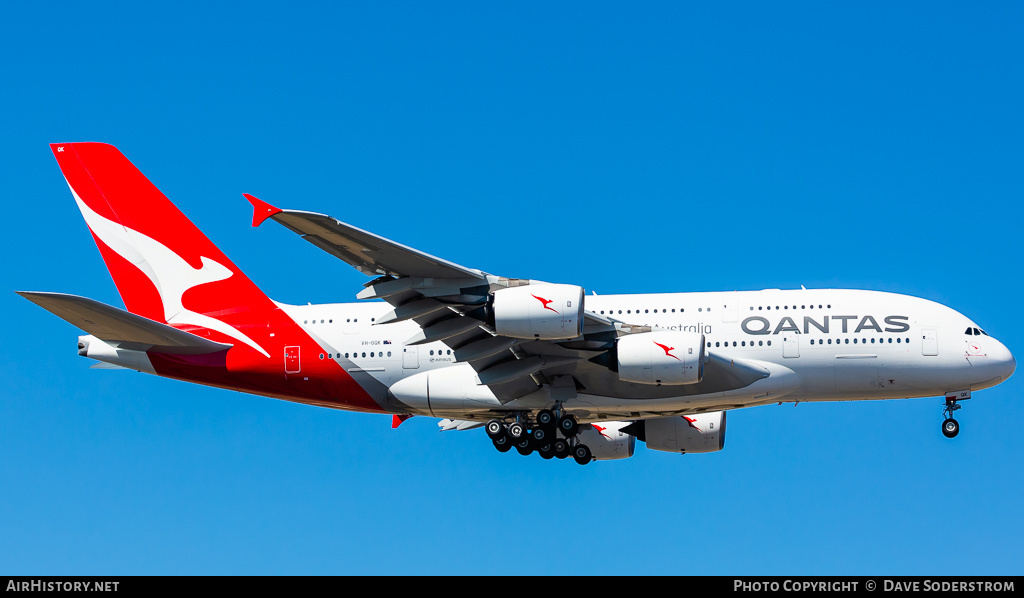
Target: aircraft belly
(777, 385)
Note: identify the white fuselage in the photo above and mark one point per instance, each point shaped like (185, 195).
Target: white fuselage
(819, 345)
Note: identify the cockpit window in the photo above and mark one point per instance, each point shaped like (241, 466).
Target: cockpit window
(985, 333)
(977, 332)
(970, 331)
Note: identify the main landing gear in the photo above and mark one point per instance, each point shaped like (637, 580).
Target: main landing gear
(548, 435)
(950, 427)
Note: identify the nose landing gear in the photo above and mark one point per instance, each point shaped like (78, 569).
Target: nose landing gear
(951, 427)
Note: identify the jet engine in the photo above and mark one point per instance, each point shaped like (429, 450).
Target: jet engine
(699, 433)
(661, 357)
(606, 440)
(539, 311)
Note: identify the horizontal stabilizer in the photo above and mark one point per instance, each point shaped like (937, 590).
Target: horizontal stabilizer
(127, 330)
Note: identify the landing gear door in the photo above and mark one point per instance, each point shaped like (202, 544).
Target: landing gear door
(929, 342)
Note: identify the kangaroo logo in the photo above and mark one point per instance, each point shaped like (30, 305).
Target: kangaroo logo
(545, 302)
(667, 349)
(170, 274)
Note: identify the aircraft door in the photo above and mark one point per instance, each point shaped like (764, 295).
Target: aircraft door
(929, 342)
(411, 357)
(292, 364)
(791, 345)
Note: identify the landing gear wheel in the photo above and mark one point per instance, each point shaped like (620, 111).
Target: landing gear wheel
(502, 443)
(950, 427)
(545, 419)
(581, 453)
(568, 425)
(561, 448)
(546, 451)
(539, 434)
(524, 445)
(516, 430)
(495, 429)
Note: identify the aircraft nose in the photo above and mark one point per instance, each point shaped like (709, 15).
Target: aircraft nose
(1002, 356)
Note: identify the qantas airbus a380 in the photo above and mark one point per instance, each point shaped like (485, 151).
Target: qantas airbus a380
(543, 367)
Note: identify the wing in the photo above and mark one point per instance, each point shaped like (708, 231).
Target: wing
(451, 303)
(370, 254)
(119, 327)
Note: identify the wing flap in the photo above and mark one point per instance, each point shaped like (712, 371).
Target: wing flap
(114, 325)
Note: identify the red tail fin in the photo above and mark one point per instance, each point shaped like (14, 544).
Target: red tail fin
(165, 269)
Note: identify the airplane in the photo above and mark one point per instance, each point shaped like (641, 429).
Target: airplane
(542, 367)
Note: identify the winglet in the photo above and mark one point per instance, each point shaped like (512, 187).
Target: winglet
(396, 420)
(261, 210)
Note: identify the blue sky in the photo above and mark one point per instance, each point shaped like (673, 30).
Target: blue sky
(660, 147)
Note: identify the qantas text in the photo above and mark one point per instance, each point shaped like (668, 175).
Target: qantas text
(761, 325)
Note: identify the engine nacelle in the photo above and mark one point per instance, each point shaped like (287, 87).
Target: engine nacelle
(700, 433)
(607, 441)
(539, 311)
(661, 357)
